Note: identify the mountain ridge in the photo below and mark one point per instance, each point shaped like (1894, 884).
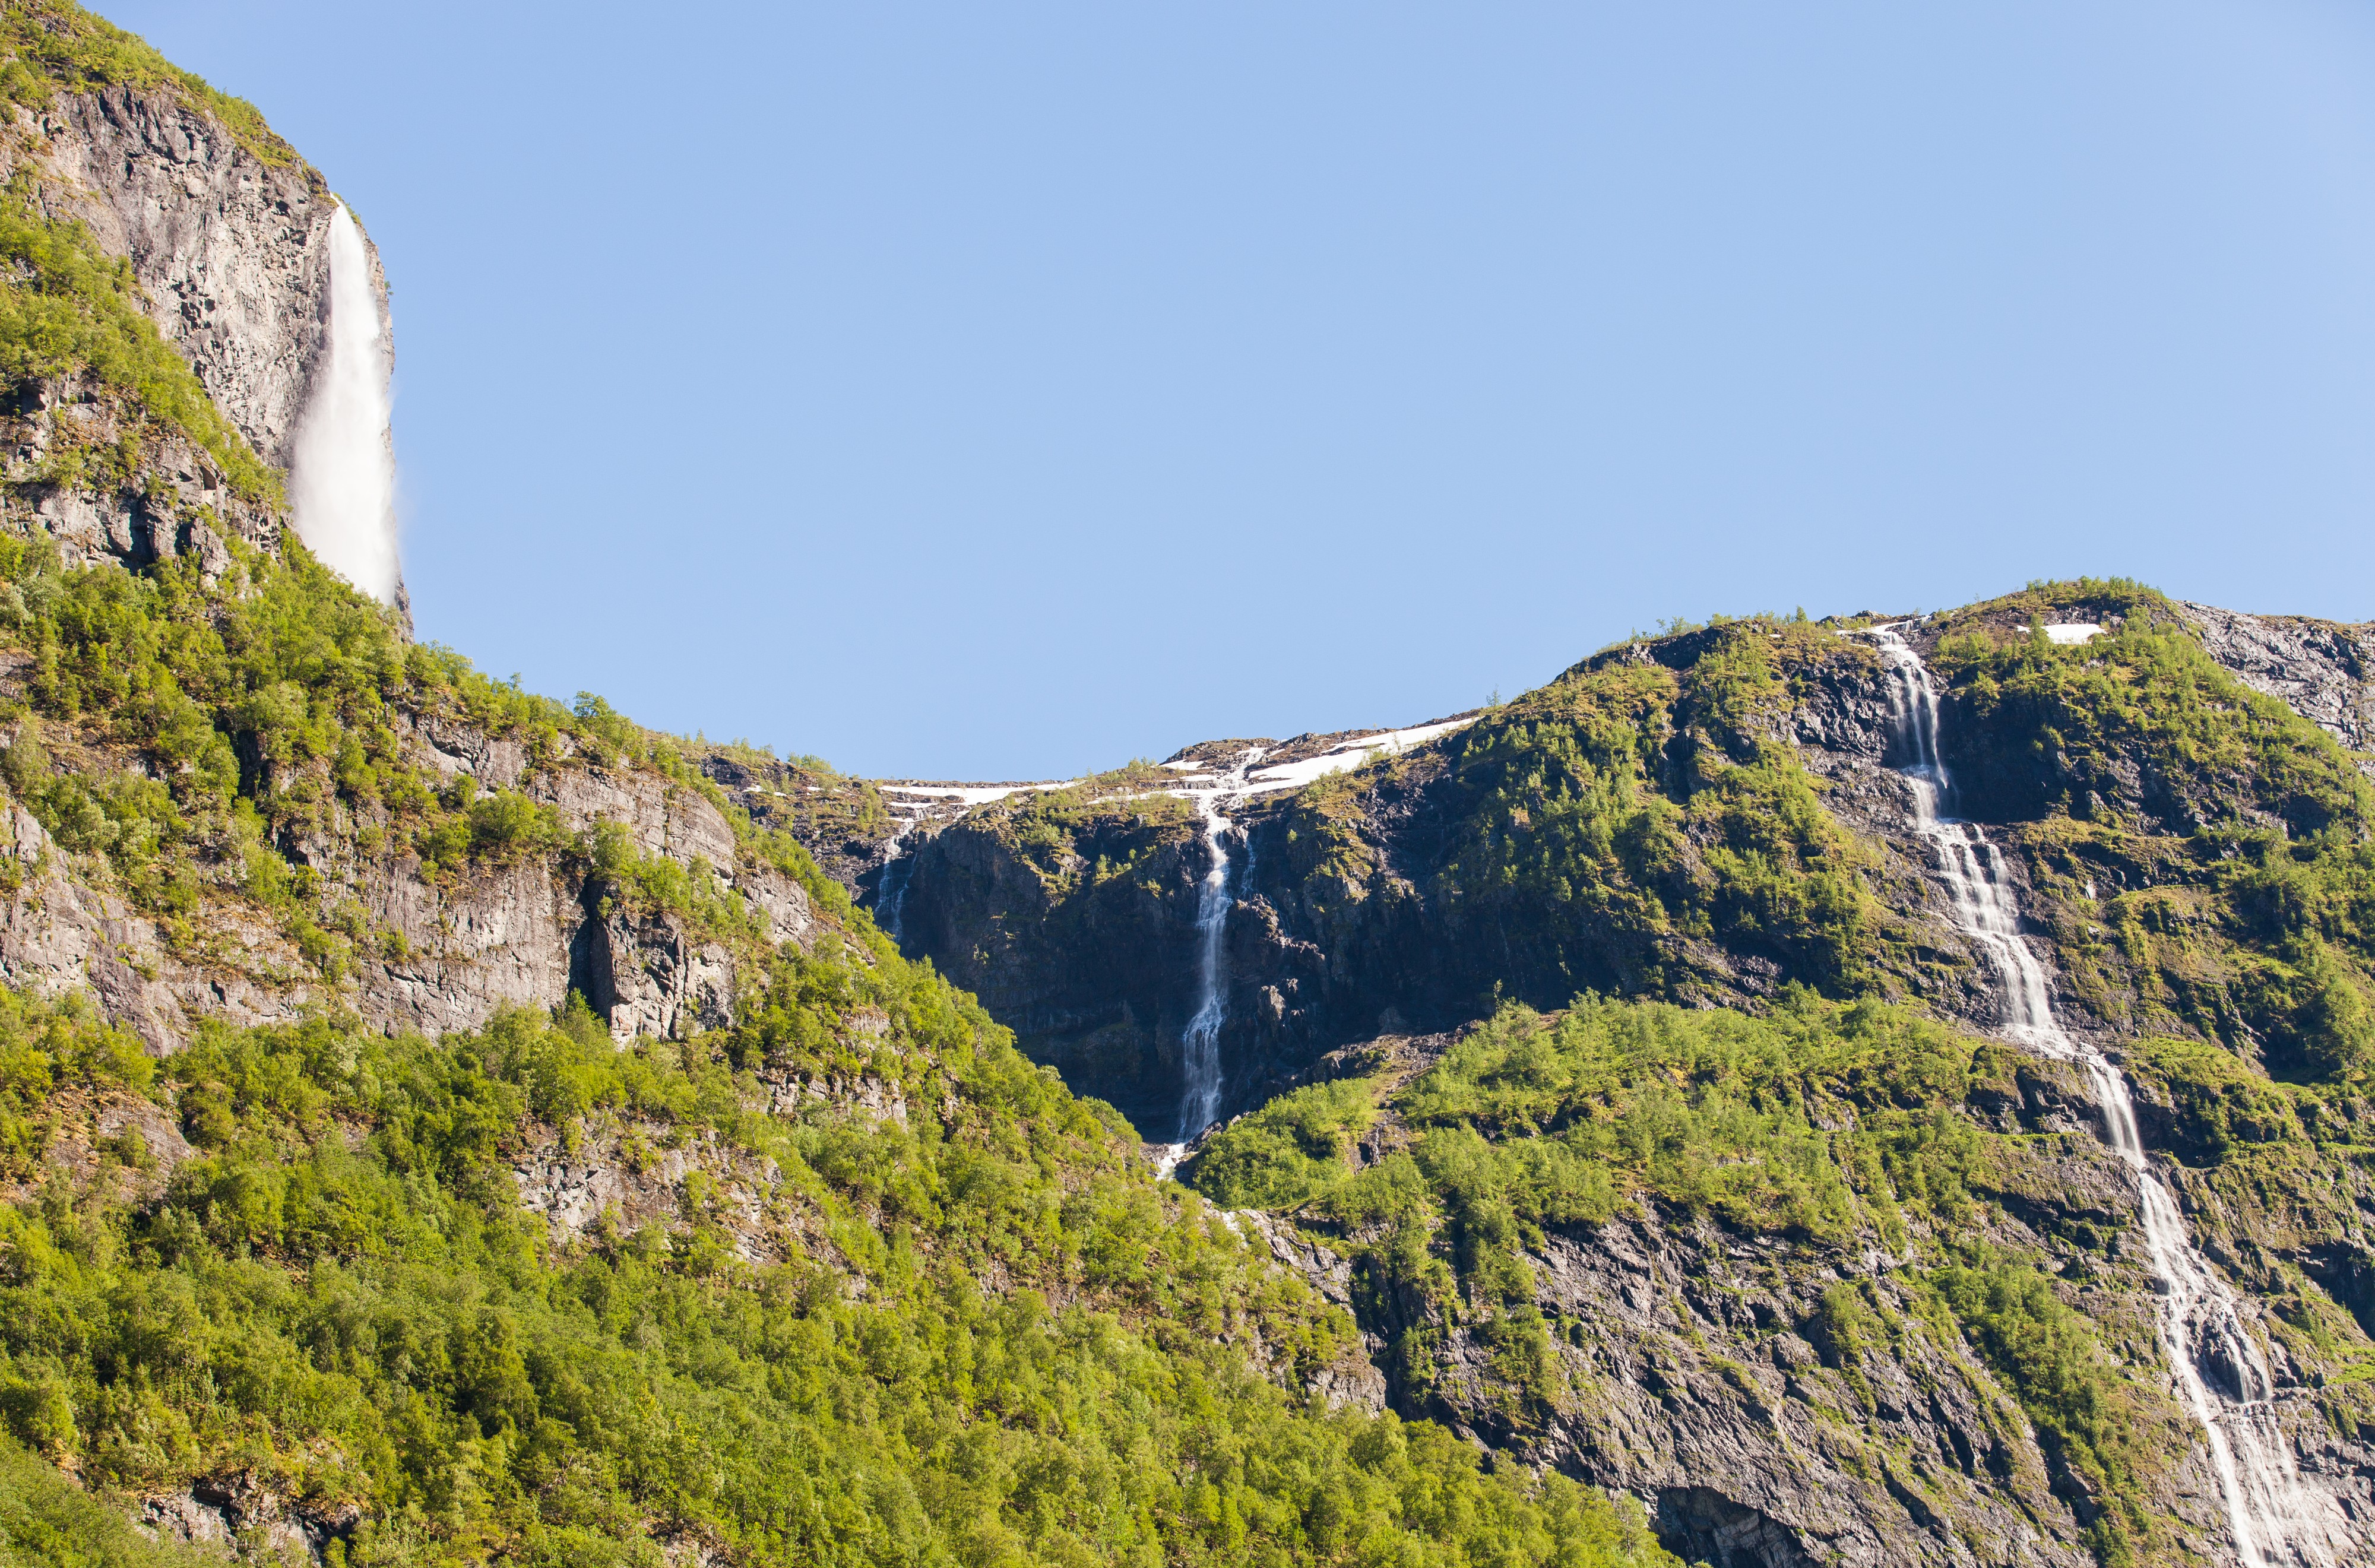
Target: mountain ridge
(442, 1124)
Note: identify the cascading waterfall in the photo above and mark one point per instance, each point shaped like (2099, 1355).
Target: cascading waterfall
(890, 888)
(1201, 1045)
(342, 471)
(2222, 1377)
(899, 866)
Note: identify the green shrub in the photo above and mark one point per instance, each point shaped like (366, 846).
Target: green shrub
(2051, 1359)
(340, 1296)
(66, 307)
(1294, 1147)
(47, 1522)
(56, 45)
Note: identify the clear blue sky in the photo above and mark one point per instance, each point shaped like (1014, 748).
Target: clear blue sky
(996, 391)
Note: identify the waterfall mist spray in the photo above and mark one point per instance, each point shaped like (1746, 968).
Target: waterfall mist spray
(342, 474)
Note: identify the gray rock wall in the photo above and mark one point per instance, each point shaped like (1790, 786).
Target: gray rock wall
(233, 252)
(2322, 669)
(442, 954)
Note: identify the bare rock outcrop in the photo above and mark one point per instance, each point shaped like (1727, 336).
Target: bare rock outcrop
(437, 951)
(232, 252)
(2322, 669)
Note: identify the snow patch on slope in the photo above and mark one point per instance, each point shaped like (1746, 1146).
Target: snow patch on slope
(970, 795)
(1347, 755)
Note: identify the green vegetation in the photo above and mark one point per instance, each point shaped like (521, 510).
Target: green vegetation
(67, 309)
(2049, 1357)
(1531, 1120)
(977, 1334)
(179, 733)
(257, 707)
(47, 1522)
(1837, 1124)
(54, 46)
(1600, 826)
(2231, 842)
(1660, 802)
(337, 1295)
(2138, 728)
(1288, 1150)
(1081, 839)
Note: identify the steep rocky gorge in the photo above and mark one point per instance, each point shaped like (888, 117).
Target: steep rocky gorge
(1686, 1350)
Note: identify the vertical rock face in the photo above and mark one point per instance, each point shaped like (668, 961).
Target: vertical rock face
(178, 504)
(1098, 986)
(230, 248)
(231, 251)
(1323, 950)
(452, 949)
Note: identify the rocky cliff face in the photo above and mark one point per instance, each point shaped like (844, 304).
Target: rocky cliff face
(1350, 917)
(2321, 669)
(231, 251)
(1693, 1366)
(230, 254)
(1776, 1400)
(172, 502)
(1361, 907)
(1101, 979)
(438, 953)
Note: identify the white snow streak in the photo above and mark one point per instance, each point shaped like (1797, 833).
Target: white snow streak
(972, 795)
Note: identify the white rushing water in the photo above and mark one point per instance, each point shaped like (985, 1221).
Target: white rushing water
(1199, 1047)
(342, 472)
(2222, 1376)
(890, 888)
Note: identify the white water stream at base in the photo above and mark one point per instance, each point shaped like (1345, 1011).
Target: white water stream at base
(2222, 1377)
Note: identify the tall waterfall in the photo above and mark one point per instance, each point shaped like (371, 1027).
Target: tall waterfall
(891, 888)
(2222, 1377)
(342, 472)
(1201, 1045)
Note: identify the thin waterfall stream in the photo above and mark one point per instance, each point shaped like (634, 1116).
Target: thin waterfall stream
(1199, 1047)
(1199, 1044)
(891, 888)
(2222, 1376)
